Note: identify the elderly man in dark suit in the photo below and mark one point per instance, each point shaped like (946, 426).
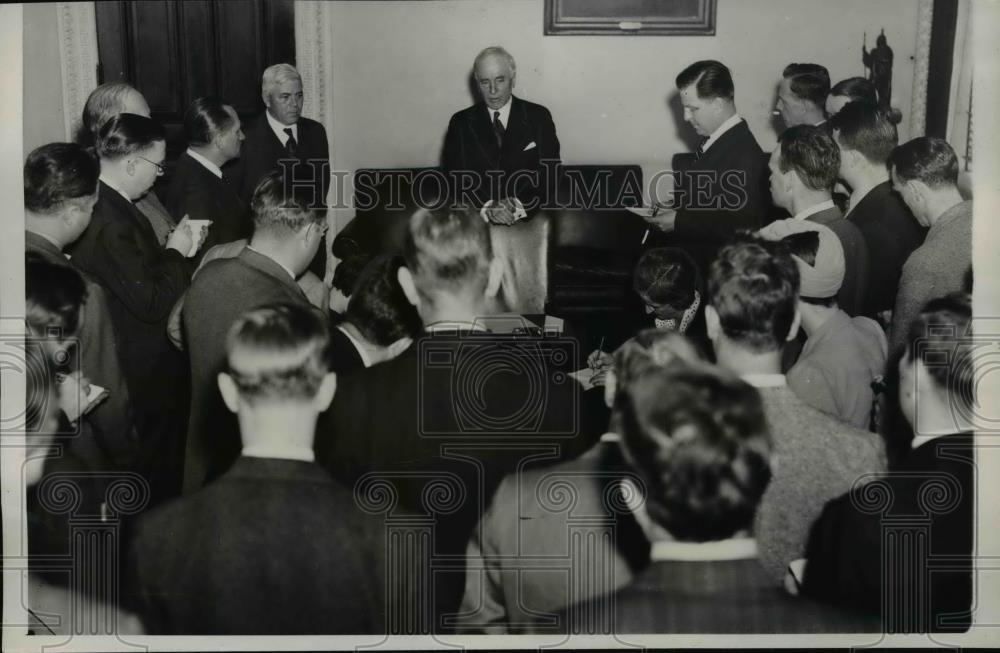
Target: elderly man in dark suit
(724, 188)
(503, 147)
(287, 233)
(282, 139)
(446, 419)
(143, 280)
(275, 546)
(199, 189)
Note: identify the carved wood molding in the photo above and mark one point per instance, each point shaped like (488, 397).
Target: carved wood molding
(918, 102)
(78, 58)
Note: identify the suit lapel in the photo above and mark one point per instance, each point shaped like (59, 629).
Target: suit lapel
(517, 127)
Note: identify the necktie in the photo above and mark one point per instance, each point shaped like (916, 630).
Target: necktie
(701, 149)
(291, 145)
(498, 128)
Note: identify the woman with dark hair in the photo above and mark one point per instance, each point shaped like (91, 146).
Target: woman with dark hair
(104, 103)
(854, 552)
(668, 282)
(143, 280)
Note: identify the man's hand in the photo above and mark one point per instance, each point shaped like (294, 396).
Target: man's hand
(181, 238)
(599, 360)
(663, 219)
(499, 214)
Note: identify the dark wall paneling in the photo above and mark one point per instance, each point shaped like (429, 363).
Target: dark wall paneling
(156, 55)
(940, 61)
(197, 36)
(239, 43)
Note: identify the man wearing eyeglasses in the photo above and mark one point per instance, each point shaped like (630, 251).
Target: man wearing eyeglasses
(287, 233)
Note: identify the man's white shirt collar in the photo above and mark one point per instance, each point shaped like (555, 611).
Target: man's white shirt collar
(765, 380)
(115, 188)
(504, 112)
(859, 194)
(739, 548)
(214, 169)
(282, 451)
(730, 122)
(816, 208)
(455, 326)
(290, 273)
(362, 350)
(279, 128)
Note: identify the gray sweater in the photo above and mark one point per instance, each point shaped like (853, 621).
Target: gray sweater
(816, 458)
(934, 269)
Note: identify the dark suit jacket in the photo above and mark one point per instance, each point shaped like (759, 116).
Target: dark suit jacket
(854, 291)
(272, 547)
(733, 174)
(223, 290)
(142, 280)
(470, 145)
(725, 596)
(261, 154)
(929, 495)
(99, 360)
(344, 356)
(417, 422)
(891, 234)
(197, 193)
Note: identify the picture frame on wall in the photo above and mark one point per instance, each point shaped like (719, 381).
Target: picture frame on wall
(630, 17)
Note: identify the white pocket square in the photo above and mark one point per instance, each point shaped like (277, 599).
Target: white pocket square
(529, 146)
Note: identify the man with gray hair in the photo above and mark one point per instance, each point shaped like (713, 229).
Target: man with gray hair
(503, 151)
(282, 139)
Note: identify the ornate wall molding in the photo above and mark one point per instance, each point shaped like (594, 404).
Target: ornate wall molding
(78, 58)
(918, 104)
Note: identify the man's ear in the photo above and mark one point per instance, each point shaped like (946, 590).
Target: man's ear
(796, 323)
(409, 288)
(327, 388)
(230, 394)
(495, 278)
(712, 324)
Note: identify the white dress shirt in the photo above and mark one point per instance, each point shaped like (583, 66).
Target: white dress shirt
(816, 208)
(283, 451)
(214, 169)
(504, 112)
(112, 185)
(729, 123)
(361, 349)
(737, 548)
(279, 129)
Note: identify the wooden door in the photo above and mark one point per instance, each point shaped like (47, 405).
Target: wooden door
(174, 52)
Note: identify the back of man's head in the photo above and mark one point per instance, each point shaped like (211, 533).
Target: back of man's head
(926, 159)
(378, 307)
(53, 297)
(278, 354)
(710, 78)
(280, 211)
(753, 287)
(808, 81)
(127, 134)
(812, 154)
(206, 118)
(56, 174)
(699, 440)
(448, 252)
(867, 129)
